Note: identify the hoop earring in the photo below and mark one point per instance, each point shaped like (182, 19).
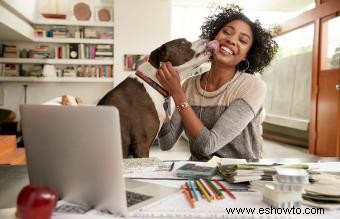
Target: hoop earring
(247, 63)
(240, 65)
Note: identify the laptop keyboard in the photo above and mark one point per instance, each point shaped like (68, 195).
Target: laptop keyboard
(131, 197)
(135, 198)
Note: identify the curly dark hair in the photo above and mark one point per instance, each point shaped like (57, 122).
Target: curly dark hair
(264, 47)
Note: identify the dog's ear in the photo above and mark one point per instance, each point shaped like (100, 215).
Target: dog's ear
(154, 58)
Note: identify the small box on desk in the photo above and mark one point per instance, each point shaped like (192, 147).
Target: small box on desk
(193, 171)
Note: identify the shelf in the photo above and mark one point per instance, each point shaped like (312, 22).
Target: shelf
(58, 61)
(50, 79)
(72, 40)
(72, 23)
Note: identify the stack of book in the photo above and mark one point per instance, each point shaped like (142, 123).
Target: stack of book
(106, 35)
(39, 52)
(58, 32)
(69, 71)
(11, 70)
(237, 173)
(104, 51)
(90, 33)
(10, 51)
(324, 192)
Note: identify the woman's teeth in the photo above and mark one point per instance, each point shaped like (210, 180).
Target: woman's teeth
(226, 49)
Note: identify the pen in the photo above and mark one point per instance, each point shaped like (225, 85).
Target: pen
(205, 187)
(172, 166)
(187, 196)
(203, 191)
(225, 189)
(194, 189)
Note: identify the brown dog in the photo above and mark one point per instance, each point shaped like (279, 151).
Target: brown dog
(140, 98)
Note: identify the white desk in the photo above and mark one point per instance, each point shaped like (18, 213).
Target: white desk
(176, 206)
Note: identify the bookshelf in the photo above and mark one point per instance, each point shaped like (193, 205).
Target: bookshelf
(64, 43)
(72, 23)
(71, 40)
(135, 31)
(58, 61)
(56, 79)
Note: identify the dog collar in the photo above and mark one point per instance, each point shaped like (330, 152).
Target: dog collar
(153, 84)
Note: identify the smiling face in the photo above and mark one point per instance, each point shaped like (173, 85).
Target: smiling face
(236, 39)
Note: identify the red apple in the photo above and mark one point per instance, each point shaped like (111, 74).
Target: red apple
(36, 202)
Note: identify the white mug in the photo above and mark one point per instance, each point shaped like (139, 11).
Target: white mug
(49, 71)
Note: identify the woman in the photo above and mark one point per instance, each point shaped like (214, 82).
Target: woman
(220, 110)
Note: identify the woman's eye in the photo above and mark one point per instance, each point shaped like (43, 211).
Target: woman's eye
(244, 41)
(228, 32)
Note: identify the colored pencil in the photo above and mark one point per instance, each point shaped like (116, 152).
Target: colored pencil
(186, 186)
(207, 188)
(211, 189)
(215, 189)
(198, 190)
(193, 188)
(225, 189)
(187, 196)
(207, 197)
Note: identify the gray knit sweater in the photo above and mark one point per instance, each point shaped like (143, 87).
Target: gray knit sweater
(231, 116)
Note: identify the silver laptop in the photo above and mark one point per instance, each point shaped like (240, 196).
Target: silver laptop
(77, 150)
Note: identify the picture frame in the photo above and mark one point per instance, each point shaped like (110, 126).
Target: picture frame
(132, 61)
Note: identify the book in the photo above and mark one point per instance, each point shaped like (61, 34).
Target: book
(236, 173)
(193, 171)
(132, 165)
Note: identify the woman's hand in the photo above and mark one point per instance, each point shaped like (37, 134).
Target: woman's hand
(169, 79)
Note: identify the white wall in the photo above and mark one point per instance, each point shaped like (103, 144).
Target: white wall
(26, 8)
(9, 21)
(140, 26)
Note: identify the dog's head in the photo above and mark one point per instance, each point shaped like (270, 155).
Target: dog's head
(177, 52)
(183, 55)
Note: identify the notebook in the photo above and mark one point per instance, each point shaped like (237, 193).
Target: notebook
(77, 150)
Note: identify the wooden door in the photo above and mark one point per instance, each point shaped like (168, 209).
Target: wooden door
(328, 107)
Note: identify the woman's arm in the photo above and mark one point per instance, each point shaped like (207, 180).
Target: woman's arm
(170, 132)
(169, 79)
(228, 126)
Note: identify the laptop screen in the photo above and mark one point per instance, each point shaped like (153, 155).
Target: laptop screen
(77, 151)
